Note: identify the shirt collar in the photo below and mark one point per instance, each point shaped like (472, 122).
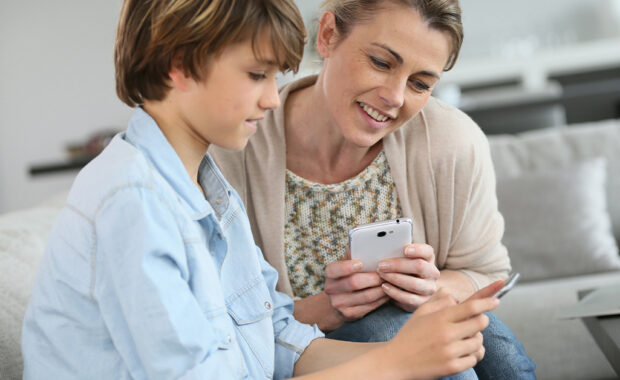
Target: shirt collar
(144, 133)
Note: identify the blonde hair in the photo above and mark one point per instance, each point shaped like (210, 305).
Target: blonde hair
(151, 32)
(442, 15)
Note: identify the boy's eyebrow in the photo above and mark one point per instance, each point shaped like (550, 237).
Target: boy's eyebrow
(400, 61)
(269, 61)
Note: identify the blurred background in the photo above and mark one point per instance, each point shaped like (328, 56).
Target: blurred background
(524, 65)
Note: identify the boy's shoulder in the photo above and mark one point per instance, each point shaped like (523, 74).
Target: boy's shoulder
(120, 166)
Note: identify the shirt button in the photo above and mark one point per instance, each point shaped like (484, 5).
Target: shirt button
(228, 339)
(219, 201)
(267, 305)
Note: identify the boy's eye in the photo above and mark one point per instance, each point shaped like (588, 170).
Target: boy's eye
(258, 76)
(379, 63)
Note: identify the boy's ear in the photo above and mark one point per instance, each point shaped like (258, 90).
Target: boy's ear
(327, 34)
(179, 78)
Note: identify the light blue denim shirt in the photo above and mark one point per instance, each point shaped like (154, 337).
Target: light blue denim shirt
(145, 278)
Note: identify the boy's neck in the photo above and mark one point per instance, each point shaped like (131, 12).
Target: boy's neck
(188, 148)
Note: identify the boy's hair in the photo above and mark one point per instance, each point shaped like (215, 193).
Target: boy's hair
(151, 32)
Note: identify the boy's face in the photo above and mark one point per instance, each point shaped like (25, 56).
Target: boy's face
(224, 107)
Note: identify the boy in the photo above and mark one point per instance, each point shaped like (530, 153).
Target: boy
(151, 270)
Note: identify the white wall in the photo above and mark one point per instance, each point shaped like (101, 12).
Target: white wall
(57, 87)
(57, 83)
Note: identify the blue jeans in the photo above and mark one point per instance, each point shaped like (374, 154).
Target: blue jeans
(504, 356)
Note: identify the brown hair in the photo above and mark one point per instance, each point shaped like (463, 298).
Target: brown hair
(151, 32)
(442, 15)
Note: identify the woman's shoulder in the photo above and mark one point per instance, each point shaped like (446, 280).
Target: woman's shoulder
(445, 128)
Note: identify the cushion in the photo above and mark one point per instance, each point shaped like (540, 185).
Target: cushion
(557, 222)
(23, 235)
(554, 147)
(563, 349)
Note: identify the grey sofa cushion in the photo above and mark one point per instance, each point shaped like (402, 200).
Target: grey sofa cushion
(557, 222)
(23, 235)
(557, 147)
(563, 349)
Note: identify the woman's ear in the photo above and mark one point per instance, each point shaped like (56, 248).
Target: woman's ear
(327, 34)
(178, 77)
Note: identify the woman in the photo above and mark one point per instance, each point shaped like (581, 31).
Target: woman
(364, 141)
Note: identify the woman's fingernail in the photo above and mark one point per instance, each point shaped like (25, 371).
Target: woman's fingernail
(385, 286)
(384, 267)
(410, 251)
(358, 265)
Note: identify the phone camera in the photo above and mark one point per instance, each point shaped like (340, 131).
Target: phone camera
(397, 220)
(381, 234)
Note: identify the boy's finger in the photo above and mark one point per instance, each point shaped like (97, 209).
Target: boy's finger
(472, 307)
(440, 300)
(488, 291)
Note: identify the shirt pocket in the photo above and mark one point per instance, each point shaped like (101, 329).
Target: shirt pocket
(228, 349)
(251, 308)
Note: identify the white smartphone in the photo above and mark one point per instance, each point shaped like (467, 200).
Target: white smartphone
(374, 242)
(508, 285)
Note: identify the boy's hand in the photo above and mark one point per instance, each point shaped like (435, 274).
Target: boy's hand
(443, 335)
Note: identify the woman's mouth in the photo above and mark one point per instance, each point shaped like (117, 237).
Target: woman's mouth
(376, 118)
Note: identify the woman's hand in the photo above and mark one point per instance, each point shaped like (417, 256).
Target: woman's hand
(351, 292)
(442, 336)
(410, 280)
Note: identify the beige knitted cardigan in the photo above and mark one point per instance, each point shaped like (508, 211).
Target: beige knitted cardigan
(442, 168)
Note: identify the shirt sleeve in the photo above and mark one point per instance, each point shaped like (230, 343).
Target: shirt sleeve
(291, 336)
(143, 292)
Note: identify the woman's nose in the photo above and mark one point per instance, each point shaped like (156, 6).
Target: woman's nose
(393, 92)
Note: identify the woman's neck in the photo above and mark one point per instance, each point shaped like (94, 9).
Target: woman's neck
(315, 146)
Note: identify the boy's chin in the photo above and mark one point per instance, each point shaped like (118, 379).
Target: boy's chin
(233, 145)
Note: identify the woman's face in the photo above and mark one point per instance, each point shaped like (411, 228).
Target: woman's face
(382, 73)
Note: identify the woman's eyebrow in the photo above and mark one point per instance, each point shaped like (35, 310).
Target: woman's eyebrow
(400, 60)
(396, 56)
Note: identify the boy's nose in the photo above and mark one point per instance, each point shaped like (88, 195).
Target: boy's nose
(270, 98)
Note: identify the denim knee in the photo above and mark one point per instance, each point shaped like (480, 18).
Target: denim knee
(505, 357)
(379, 325)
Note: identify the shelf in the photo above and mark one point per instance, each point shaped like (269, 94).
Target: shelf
(534, 70)
(56, 167)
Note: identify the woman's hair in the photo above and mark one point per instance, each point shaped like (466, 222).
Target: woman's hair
(151, 32)
(442, 15)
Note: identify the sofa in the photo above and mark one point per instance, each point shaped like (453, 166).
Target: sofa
(559, 192)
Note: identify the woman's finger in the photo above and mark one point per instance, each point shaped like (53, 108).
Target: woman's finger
(356, 312)
(367, 296)
(343, 268)
(408, 301)
(420, 251)
(411, 284)
(418, 267)
(352, 283)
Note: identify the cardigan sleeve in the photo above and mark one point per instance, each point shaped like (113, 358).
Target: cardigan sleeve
(470, 225)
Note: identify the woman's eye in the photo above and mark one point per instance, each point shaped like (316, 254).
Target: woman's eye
(420, 86)
(258, 76)
(379, 63)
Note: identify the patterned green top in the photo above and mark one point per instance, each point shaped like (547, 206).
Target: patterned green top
(319, 216)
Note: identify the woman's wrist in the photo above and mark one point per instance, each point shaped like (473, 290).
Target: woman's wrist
(316, 309)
